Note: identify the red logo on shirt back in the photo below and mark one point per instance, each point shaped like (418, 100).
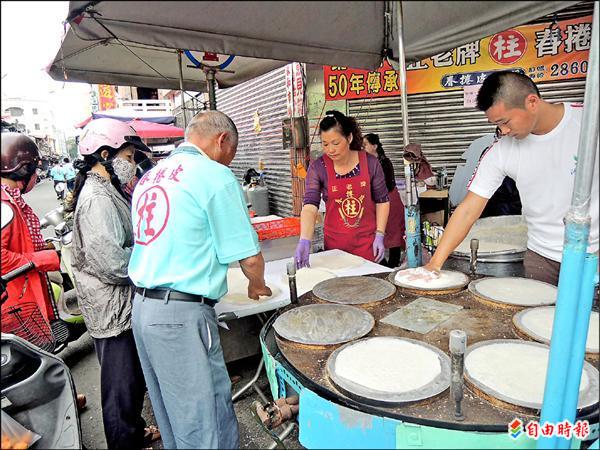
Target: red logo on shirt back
(152, 210)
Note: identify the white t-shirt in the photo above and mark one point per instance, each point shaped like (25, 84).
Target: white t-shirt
(543, 167)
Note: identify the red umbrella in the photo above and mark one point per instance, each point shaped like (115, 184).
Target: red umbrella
(149, 130)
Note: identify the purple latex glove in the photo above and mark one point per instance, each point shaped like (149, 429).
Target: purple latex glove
(378, 248)
(302, 252)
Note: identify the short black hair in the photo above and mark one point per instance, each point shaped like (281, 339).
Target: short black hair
(506, 86)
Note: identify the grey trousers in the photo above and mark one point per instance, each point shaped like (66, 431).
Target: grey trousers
(188, 384)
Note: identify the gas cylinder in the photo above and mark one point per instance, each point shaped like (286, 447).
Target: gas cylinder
(258, 195)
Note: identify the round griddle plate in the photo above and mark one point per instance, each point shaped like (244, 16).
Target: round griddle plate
(354, 290)
(474, 289)
(527, 333)
(324, 324)
(587, 398)
(375, 397)
(435, 291)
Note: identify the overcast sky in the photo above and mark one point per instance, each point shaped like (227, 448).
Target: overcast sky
(31, 36)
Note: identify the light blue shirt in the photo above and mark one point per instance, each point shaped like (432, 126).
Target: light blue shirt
(190, 220)
(57, 173)
(68, 171)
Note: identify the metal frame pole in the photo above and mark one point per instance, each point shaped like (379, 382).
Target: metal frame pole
(212, 96)
(575, 285)
(179, 52)
(411, 210)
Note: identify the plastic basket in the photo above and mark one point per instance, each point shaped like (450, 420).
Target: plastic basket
(276, 229)
(27, 321)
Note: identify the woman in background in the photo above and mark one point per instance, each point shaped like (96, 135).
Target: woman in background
(395, 229)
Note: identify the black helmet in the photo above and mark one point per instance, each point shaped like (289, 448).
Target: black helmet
(20, 156)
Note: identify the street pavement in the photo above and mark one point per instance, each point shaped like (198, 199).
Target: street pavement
(81, 359)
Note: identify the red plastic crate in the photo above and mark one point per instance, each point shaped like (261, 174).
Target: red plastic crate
(280, 228)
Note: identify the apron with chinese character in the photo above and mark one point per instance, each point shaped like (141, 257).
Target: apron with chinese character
(350, 222)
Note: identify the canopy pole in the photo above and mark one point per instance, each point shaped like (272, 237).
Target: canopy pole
(575, 283)
(411, 210)
(179, 52)
(212, 88)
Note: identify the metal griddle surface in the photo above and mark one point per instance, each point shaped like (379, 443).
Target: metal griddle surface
(324, 324)
(480, 321)
(354, 290)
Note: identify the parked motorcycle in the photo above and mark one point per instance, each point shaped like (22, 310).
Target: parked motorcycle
(64, 285)
(37, 390)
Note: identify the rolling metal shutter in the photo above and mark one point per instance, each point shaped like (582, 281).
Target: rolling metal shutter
(439, 122)
(267, 95)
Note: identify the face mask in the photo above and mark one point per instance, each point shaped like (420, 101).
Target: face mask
(124, 170)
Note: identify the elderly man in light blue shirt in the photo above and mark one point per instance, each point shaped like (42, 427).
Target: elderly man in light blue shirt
(190, 221)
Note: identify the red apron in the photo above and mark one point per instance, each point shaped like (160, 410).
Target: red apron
(395, 229)
(350, 222)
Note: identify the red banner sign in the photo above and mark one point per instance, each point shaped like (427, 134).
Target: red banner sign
(545, 52)
(106, 97)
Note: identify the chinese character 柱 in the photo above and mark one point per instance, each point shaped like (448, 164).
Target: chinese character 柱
(504, 49)
(145, 213)
(547, 41)
(467, 52)
(578, 37)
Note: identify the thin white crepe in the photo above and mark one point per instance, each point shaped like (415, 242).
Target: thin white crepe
(516, 370)
(307, 278)
(539, 322)
(388, 365)
(517, 291)
(237, 289)
(446, 280)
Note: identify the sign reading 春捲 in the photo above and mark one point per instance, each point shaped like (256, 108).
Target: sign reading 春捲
(545, 52)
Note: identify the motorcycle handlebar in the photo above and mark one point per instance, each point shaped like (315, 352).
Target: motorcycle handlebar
(18, 272)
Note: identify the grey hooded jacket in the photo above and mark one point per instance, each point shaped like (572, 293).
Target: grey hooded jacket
(102, 244)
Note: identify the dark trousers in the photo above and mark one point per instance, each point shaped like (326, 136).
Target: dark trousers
(544, 269)
(122, 388)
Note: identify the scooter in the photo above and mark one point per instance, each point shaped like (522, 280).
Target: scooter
(63, 284)
(37, 391)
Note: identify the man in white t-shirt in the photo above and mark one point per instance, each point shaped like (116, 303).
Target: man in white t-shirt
(538, 150)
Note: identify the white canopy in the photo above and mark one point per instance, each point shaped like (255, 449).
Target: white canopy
(350, 33)
(102, 59)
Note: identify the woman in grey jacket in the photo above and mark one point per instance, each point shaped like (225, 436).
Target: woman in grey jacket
(102, 243)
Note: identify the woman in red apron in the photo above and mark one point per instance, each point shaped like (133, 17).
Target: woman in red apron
(395, 230)
(352, 185)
